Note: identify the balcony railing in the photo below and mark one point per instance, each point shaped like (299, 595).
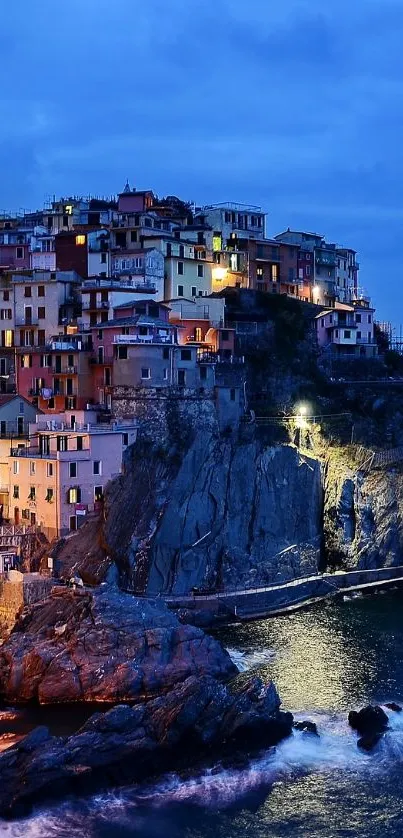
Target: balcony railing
(128, 340)
(93, 305)
(86, 427)
(65, 371)
(27, 322)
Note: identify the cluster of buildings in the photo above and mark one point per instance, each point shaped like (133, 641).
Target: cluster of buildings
(100, 297)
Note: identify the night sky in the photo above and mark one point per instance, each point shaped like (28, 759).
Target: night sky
(292, 104)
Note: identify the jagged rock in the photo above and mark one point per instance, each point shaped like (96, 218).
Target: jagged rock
(113, 648)
(368, 721)
(306, 727)
(369, 741)
(391, 705)
(222, 518)
(197, 718)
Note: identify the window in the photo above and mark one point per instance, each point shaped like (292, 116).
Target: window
(97, 467)
(20, 252)
(225, 334)
(181, 251)
(103, 258)
(125, 439)
(72, 469)
(49, 495)
(80, 240)
(133, 236)
(336, 333)
(186, 354)
(181, 378)
(232, 395)
(347, 333)
(61, 443)
(74, 495)
(203, 373)
(32, 468)
(358, 318)
(79, 443)
(274, 273)
(27, 291)
(165, 374)
(41, 313)
(200, 271)
(26, 361)
(41, 290)
(180, 268)
(98, 494)
(180, 290)
(16, 467)
(308, 270)
(122, 353)
(32, 493)
(259, 272)
(143, 330)
(49, 469)
(6, 296)
(165, 354)
(358, 335)
(16, 492)
(145, 372)
(369, 318)
(194, 291)
(22, 407)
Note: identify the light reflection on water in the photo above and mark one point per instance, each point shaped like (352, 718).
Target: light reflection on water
(325, 661)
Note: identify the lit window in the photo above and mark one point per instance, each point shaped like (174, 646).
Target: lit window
(80, 239)
(8, 337)
(74, 495)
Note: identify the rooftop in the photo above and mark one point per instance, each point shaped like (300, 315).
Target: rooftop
(135, 320)
(234, 207)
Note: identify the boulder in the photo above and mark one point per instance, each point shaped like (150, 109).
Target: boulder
(113, 647)
(197, 720)
(368, 721)
(306, 727)
(391, 705)
(369, 741)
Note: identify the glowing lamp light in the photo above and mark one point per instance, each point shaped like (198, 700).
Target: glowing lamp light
(301, 416)
(219, 274)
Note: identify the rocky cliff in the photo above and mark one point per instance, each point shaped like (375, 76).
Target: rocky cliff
(363, 514)
(229, 514)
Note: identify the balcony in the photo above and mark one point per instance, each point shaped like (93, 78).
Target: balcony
(84, 427)
(91, 305)
(106, 360)
(326, 259)
(206, 356)
(26, 322)
(65, 371)
(129, 340)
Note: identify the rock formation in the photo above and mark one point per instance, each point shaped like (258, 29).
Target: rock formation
(230, 514)
(104, 646)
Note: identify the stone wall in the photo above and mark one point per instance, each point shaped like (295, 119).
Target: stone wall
(166, 413)
(20, 589)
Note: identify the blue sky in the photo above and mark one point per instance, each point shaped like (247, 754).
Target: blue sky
(292, 104)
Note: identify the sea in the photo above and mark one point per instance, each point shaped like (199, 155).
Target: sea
(325, 660)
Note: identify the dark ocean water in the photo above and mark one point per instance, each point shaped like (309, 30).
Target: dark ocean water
(325, 661)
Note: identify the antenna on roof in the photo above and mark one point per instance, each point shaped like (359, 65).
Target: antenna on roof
(127, 187)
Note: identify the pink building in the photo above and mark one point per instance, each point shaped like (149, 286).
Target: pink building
(347, 331)
(62, 475)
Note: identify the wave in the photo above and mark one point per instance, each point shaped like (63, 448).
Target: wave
(246, 661)
(220, 787)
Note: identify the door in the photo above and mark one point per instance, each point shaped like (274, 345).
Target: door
(100, 354)
(20, 425)
(73, 523)
(16, 516)
(58, 363)
(33, 519)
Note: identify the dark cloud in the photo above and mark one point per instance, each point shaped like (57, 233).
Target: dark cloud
(295, 105)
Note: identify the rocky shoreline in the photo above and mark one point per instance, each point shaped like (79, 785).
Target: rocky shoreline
(181, 702)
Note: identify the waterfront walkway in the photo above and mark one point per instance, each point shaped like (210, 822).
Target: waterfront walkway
(252, 603)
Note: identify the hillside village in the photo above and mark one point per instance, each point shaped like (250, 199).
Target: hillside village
(124, 317)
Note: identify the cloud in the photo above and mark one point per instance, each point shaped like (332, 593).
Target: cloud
(294, 105)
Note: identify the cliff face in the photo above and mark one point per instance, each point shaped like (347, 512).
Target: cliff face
(363, 515)
(232, 514)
